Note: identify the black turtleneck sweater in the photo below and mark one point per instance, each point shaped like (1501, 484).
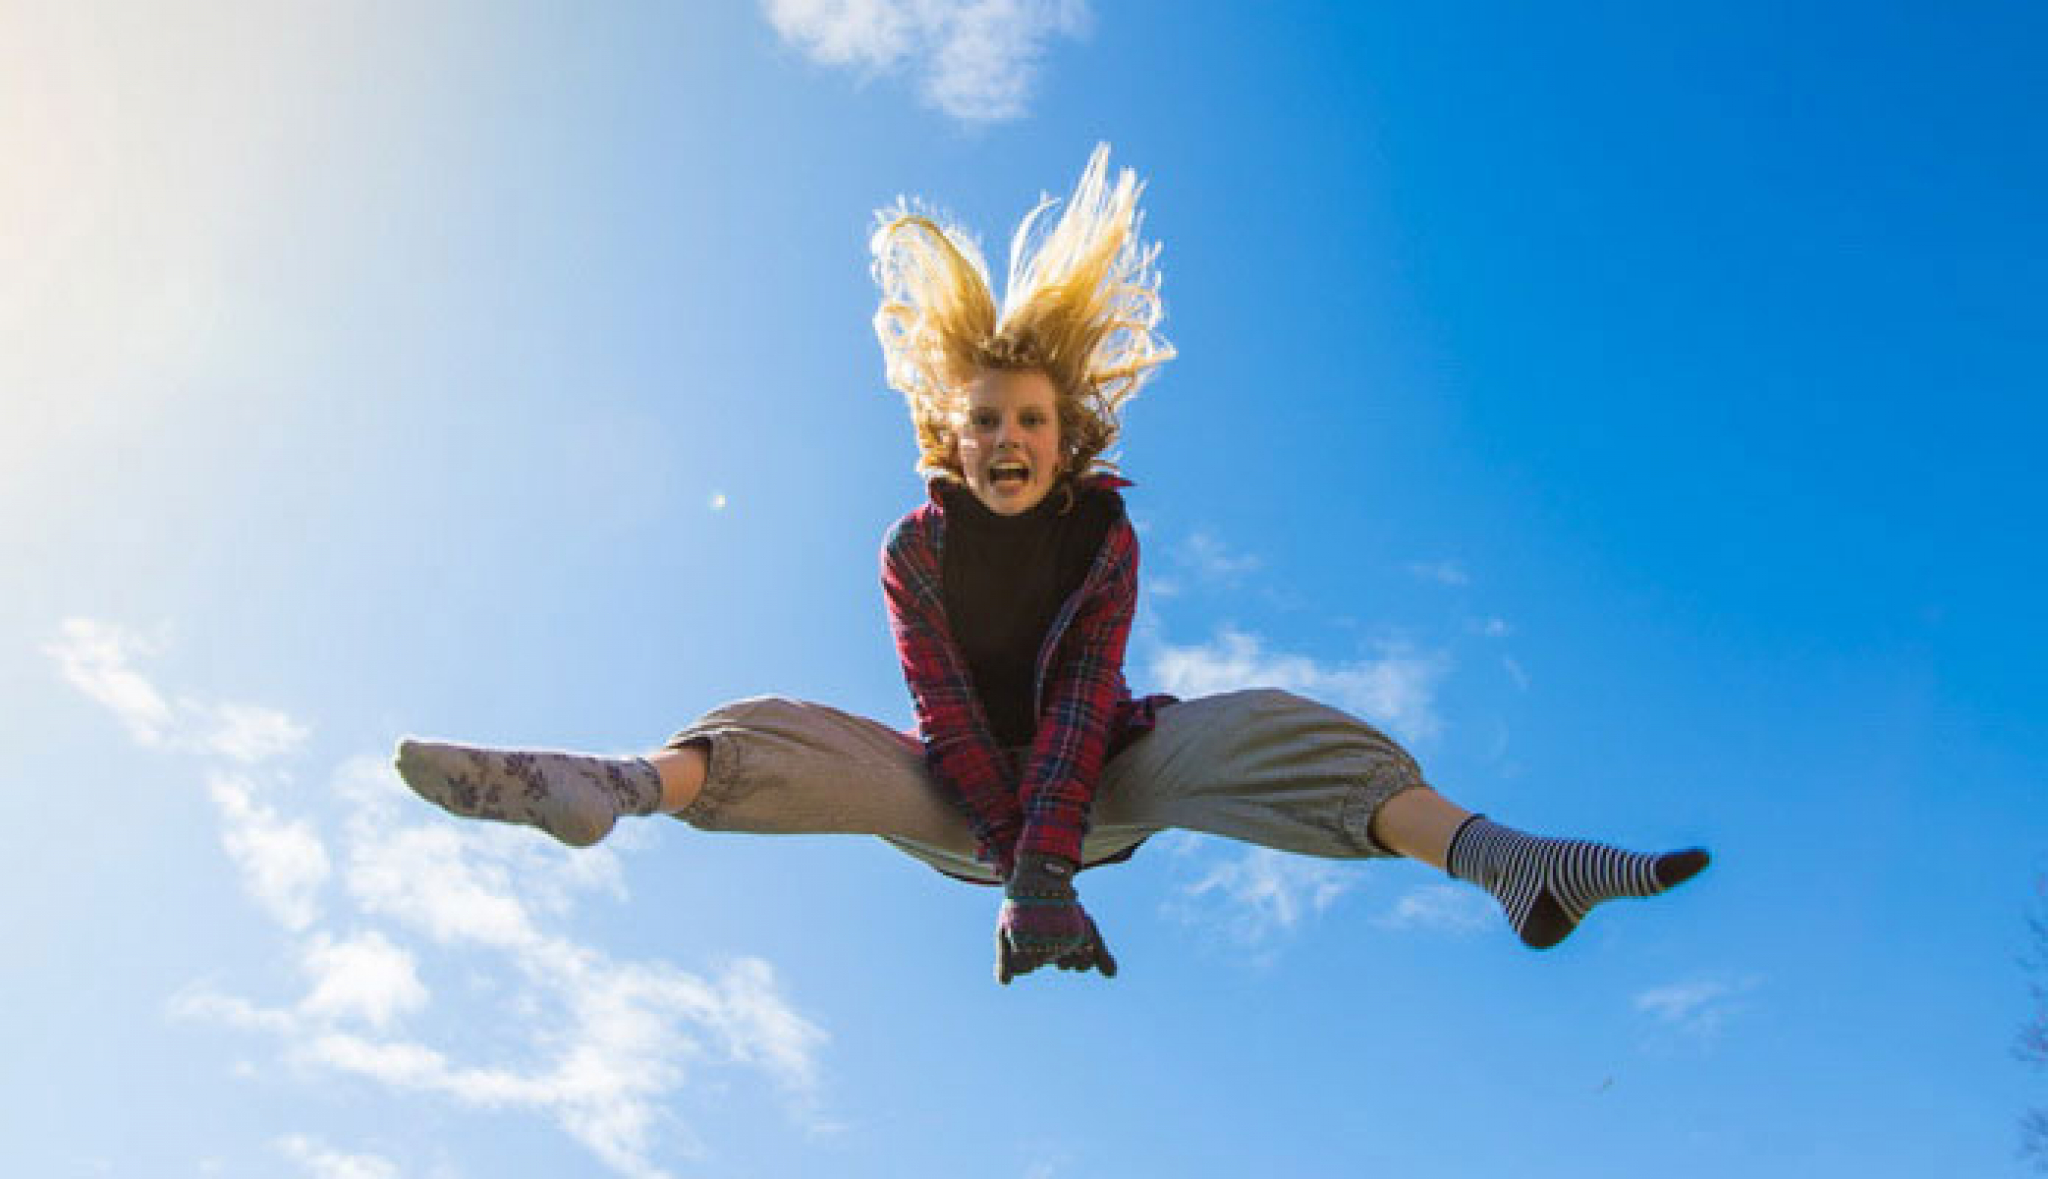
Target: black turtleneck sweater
(1005, 578)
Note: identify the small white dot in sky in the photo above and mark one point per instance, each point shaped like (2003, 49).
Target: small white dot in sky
(718, 501)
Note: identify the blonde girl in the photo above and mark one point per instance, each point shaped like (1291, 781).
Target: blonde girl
(1010, 592)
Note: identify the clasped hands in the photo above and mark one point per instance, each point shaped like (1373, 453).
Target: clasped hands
(1043, 923)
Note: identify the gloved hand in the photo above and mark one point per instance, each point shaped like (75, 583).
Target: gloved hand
(1043, 923)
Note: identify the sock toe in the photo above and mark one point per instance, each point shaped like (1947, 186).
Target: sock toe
(410, 761)
(1680, 866)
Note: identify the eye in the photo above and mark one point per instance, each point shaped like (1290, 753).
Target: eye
(1033, 418)
(982, 419)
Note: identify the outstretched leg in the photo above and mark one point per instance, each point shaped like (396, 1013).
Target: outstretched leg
(1274, 769)
(1546, 885)
(762, 766)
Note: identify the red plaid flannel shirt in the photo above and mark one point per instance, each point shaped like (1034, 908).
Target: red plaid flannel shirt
(1085, 711)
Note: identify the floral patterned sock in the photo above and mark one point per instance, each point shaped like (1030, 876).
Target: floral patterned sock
(574, 797)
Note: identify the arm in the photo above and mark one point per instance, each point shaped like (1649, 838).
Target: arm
(1082, 689)
(958, 746)
(1042, 921)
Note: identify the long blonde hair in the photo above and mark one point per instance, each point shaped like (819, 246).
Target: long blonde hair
(1081, 305)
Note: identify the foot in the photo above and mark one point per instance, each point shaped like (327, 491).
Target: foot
(572, 796)
(1547, 886)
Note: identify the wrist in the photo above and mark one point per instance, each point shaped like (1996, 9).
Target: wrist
(1042, 877)
(1052, 835)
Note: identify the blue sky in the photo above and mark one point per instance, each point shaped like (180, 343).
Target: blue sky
(1636, 411)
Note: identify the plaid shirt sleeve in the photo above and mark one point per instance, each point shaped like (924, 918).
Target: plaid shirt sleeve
(958, 744)
(1082, 692)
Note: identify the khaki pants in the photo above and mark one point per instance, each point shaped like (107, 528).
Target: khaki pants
(1262, 766)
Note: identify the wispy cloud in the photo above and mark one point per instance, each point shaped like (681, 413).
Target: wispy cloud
(248, 733)
(322, 1162)
(1442, 572)
(976, 60)
(1443, 908)
(601, 1046)
(1396, 690)
(283, 862)
(96, 659)
(1698, 1008)
(1215, 560)
(1260, 893)
(368, 978)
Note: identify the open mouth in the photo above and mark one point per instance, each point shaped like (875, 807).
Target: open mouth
(1008, 476)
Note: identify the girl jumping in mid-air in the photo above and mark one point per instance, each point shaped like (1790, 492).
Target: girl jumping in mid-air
(1010, 593)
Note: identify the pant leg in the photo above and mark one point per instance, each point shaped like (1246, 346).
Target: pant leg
(784, 767)
(1262, 766)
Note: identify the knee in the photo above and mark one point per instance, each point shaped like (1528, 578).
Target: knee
(752, 709)
(1310, 725)
(754, 714)
(1276, 699)
(1283, 709)
(1261, 703)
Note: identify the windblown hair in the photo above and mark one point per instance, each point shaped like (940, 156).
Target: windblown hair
(1082, 306)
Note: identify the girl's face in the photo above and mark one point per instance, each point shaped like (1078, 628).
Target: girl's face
(1009, 441)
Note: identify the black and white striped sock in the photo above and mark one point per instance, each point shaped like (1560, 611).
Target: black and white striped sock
(1547, 885)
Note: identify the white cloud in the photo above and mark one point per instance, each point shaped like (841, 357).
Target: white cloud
(619, 1033)
(761, 1029)
(322, 1162)
(976, 60)
(602, 1047)
(94, 657)
(283, 862)
(248, 733)
(870, 34)
(1443, 572)
(444, 883)
(1215, 560)
(1266, 891)
(367, 977)
(1699, 1008)
(1515, 672)
(621, 1040)
(200, 1001)
(1397, 690)
(1445, 908)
